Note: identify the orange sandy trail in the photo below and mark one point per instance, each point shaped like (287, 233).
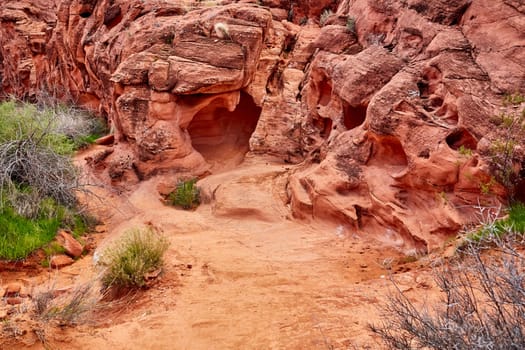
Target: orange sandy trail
(240, 275)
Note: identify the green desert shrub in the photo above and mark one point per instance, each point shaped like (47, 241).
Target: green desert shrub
(20, 235)
(186, 195)
(127, 261)
(38, 180)
(59, 128)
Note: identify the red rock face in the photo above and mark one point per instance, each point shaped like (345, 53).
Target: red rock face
(376, 105)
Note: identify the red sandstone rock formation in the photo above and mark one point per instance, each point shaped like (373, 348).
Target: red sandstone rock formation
(374, 106)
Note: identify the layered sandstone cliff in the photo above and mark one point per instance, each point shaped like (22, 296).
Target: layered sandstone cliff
(373, 101)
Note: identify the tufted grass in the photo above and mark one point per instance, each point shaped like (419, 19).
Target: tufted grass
(186, 195)
(128, 260)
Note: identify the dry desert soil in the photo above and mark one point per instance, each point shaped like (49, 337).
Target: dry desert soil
(240, 273)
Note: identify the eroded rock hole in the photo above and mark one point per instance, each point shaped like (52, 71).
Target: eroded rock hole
(435, 102)
(112, 16)
(325, 92)
(324, 125)
(85, 14)
(461, 138)
(423, 88)
(388, 151)
(354, 115)
(221, 136)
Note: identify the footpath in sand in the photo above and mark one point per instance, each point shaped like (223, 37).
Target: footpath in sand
(240, 274)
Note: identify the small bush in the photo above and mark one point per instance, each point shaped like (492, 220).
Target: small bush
(186, 195)
(505, 152)
(465, 151)
(128, 261)
(57, 127)
(35, 145)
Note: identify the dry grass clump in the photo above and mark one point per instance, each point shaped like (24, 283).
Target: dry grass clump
(67, 309)
(128, 261)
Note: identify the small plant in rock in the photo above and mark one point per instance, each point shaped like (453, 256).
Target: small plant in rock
(222, 30)
(486, 187)
(128, 261)
(327, 13)
(350, 25)
(186, 195)
(465, 151)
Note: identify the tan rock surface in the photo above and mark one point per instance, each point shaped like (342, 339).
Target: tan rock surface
(12, 289)
(59, 261)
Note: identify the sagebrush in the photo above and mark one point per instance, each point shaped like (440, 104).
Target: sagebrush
(483, 305)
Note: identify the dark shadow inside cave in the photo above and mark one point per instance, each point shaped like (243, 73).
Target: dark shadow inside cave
(221, 136)
(461, 138)
(324, 125)
(354, 115)
(325, 92)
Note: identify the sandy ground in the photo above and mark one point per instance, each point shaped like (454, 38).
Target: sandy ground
(240, 274)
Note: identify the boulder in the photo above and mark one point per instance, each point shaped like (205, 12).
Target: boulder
(71, 246)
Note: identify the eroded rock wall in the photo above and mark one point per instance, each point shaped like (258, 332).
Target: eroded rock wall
(376, 106)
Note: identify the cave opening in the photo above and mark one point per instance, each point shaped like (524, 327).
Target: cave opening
(461, 138)
(325, 92)
(354, 115)
(324, 125)
(387, 151)
(222, 137)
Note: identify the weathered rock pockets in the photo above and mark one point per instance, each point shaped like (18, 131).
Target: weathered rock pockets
(374, 107)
